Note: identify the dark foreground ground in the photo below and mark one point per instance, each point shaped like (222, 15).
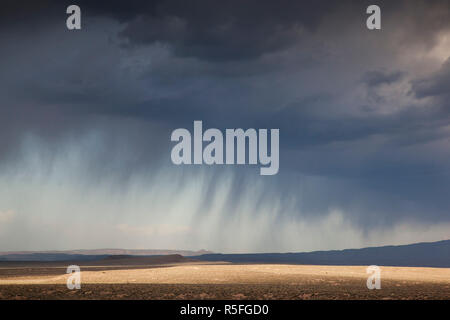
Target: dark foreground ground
(345, 290)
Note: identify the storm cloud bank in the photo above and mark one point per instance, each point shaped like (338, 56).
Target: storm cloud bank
(86, 117)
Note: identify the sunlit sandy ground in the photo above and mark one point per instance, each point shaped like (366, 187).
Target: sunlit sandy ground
(230, 281)
(228, 273)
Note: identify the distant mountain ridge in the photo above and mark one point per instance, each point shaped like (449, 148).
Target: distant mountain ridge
(425, 254)
(90, 255)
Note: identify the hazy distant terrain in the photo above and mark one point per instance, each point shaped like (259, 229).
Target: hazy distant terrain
(429, 254)
(95, 254)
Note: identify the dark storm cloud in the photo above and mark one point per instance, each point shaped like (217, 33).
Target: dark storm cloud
(232, 30)
(438, 85)
(222, 31)
(210, 30)
(377, 78)
(265, 64)
(404, 127)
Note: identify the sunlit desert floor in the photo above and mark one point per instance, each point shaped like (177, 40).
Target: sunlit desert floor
(224, 281)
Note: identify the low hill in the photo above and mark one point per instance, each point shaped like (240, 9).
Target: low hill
(122, 260)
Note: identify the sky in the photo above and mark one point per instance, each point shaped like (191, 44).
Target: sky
(86, 117)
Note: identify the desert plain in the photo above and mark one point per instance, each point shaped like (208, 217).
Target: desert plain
(181, 278)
